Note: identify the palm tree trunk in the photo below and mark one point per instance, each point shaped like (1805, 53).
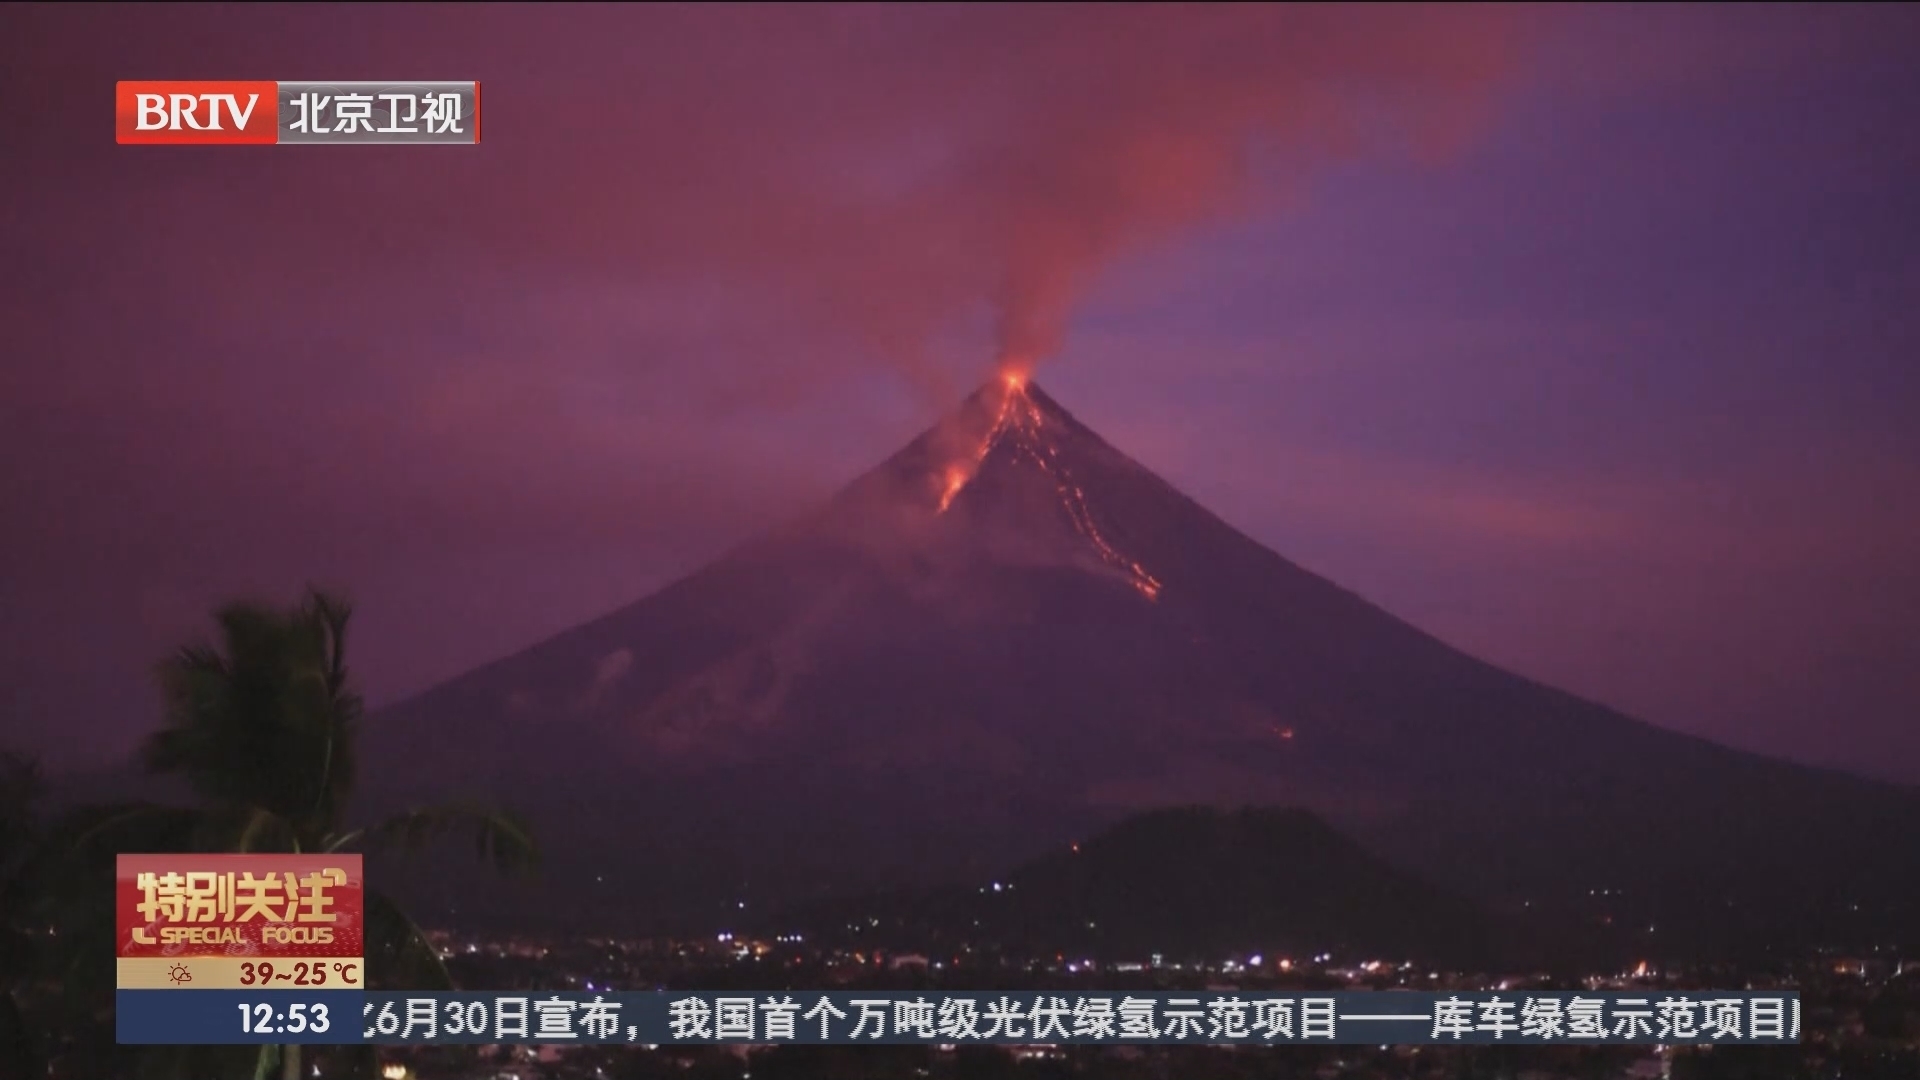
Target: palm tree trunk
(290, 1063)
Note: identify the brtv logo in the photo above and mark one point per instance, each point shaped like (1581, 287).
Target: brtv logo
(196, 112)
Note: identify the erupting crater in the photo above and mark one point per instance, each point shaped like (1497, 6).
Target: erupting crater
(1022, 429)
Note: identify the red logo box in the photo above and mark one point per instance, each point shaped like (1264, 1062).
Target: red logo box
(187, 113)
(240, 905)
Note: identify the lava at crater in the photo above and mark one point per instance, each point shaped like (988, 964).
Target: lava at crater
(1020, 425)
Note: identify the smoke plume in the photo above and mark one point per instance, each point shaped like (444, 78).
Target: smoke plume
(1124, 126)
(781, 192)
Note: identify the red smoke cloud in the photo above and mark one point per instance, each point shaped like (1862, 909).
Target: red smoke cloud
(873, 180)
(1129, 124)
(1041, 143)
(885, 173)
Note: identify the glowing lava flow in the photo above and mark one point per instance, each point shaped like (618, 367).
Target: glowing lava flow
(958, 474)
(1019, 415)
(956, 479)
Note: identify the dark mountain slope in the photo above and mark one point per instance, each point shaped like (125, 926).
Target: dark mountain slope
(1186, 884)
(1010, 633)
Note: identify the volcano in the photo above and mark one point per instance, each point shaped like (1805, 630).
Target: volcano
(1010, 634)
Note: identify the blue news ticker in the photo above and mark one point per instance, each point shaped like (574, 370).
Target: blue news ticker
(1402, 1017)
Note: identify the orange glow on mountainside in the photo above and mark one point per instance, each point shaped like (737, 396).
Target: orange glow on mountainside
(959, 474)
(957, 477)
(1021, 419)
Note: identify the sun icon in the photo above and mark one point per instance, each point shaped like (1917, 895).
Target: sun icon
(179, 974)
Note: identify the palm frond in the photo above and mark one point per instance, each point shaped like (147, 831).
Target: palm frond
(399, 956)
(265, 830)
(63, 886)
(94, 832)
(325, 616)
(265, 717)
(330, 612)
(499, 838)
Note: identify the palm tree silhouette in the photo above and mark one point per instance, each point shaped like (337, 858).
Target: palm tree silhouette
(262, 730)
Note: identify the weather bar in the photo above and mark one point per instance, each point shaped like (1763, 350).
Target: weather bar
(226, 113)
(656, 1018)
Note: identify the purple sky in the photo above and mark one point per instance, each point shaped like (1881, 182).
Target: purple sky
(1583, 338)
